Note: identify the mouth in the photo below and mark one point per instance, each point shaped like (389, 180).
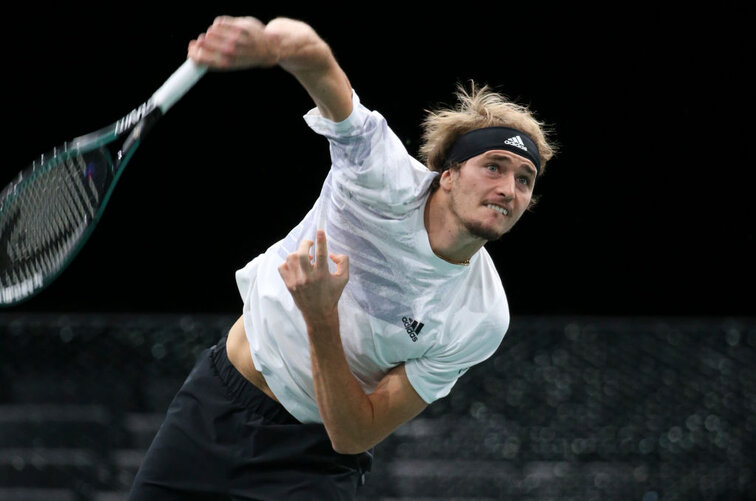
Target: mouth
(498, 208)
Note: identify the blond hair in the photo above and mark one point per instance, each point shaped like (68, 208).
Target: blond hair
(476, 109)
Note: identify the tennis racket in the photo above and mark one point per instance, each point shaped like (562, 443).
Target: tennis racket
(50, 209)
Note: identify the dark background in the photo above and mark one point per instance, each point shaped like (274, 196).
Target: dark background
(612, 383)
(646, 211)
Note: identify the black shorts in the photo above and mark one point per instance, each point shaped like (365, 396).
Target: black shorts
(223, 438)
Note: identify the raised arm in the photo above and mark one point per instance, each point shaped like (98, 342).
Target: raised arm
(233, 43)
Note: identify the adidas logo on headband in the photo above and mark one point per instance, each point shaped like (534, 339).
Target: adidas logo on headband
(479, 141)
(516, 141)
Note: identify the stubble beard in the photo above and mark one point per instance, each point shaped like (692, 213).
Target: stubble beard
(476, 228)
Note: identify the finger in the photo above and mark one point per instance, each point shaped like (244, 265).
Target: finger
(321, 251)
(283, 269)
(342, 264)
(196, 44)
(191, 50)
(211, 59)
(295, 271)
(224, 46)
(206, 50)
(305, 246)
(224, 31)
(304, 252)
(218, 40)
(234, 29)
(225, 22)
(285, 273)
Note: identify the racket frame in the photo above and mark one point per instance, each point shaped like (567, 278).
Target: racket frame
(134, 126)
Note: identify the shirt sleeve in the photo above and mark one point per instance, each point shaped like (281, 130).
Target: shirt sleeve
(370, 165)
(475, 338)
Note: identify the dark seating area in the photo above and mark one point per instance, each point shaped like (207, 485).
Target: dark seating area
(567, 409)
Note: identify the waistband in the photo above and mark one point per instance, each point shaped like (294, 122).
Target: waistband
(250, 396)
(244, 392)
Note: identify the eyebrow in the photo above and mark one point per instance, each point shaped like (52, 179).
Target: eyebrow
(500, 157)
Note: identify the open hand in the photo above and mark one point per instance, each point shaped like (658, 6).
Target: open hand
(316, 291)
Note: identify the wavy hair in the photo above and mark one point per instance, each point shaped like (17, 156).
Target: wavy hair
(477, 108)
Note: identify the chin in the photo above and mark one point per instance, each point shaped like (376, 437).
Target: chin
(485, 232)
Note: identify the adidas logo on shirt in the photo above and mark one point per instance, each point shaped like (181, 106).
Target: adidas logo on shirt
(516, 141)
(413, 327)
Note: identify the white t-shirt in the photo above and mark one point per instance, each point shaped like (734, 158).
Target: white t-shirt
(402, 304)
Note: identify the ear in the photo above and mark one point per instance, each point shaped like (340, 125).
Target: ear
(447, 179)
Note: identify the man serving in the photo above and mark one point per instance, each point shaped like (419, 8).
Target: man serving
(370, 308)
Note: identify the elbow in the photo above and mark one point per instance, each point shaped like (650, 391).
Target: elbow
(348, 449)
(349, 446)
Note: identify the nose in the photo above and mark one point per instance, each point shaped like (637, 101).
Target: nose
(506, 186)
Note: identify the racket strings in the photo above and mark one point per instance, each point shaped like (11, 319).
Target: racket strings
(46, 218)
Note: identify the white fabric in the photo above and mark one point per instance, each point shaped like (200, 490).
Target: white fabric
(371, 207)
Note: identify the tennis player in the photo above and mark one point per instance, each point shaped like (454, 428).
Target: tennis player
(369, 309)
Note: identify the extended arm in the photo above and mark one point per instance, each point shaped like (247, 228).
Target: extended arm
(354, 420)
(245, 42)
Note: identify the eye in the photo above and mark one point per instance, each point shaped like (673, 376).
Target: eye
(524, 180)
(492, 168)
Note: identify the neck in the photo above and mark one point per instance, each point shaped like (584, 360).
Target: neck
(449, 240)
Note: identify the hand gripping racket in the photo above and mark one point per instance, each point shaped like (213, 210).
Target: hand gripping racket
(49, 210)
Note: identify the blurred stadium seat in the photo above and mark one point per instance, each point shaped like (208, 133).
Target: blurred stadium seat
(568, 408)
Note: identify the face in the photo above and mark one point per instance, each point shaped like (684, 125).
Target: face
(489, 193)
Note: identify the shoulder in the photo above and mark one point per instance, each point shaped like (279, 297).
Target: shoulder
(482, 317)
(359, 121)
(484, 280)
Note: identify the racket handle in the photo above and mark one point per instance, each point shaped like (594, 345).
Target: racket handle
(178, 84)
